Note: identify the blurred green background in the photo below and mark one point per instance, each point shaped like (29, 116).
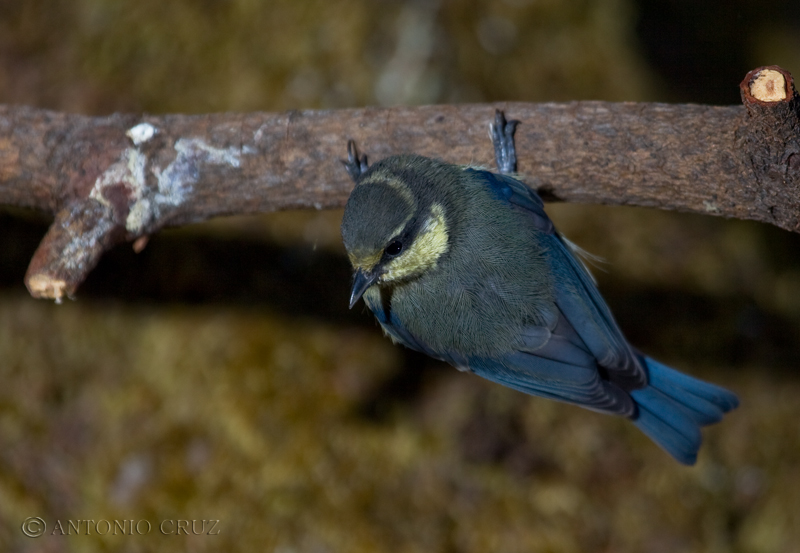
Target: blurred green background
(219, 375)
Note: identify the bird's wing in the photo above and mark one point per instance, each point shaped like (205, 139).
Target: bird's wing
(577, 298)
(556, 363)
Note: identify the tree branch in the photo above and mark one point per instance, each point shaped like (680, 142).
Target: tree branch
(123, 177)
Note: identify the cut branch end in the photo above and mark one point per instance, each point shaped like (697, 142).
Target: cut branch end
(45, 287)
(769, 86)
(71, 248)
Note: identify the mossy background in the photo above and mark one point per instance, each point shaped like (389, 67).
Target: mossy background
(219, 375)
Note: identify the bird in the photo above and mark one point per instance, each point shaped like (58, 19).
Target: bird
(463, 264)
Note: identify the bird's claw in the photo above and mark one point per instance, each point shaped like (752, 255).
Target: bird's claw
(505, 153)
(356, 164)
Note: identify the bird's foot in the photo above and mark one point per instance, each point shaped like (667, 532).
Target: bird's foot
(505, 153)
(355, 164)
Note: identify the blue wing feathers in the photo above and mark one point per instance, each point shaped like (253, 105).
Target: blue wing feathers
(559, 348)
(581, 303)
(556, 380)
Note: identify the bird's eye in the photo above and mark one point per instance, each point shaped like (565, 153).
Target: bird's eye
(394, 248)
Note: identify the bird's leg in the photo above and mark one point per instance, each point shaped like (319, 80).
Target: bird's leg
(505, 154)
(355, 164)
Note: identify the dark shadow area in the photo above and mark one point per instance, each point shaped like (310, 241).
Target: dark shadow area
(402, 388)
(20, 234)
(701, 49)
(727, 332)
(178, 267)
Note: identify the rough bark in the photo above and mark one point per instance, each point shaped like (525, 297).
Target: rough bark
(123, 177)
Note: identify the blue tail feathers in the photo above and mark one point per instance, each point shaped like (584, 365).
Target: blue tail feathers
(674, 406)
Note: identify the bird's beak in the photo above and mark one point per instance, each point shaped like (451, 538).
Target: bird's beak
(361, 281)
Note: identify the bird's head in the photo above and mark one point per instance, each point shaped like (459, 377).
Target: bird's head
(392, 231)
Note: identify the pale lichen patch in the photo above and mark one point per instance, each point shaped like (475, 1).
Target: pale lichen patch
(141, 133)
(82, 246)
(139, 215)
(128, 172)
(176, 181)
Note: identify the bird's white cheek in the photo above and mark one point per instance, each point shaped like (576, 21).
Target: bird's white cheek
(424, 252)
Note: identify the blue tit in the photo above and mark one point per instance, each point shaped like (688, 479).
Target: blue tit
(464, 265)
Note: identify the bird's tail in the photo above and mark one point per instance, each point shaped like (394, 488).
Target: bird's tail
(674, 406)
